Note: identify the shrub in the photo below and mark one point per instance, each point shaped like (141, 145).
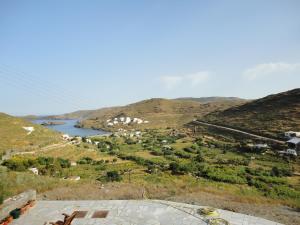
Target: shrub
(199, 158)
(223, 175)
(178, 169)
(15, 164)
(45, 160)
(279, 172)
(182, 155)
(64, 163)
(85, 160)
(129, 141)
(285, 192)
(167, 151)
(112, 176)
(189, 150)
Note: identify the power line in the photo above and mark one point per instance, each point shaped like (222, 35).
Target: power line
(29, 84)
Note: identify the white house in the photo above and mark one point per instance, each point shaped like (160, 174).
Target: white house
(66, 137)
(74, 178)
(137, 120)
(34, 170)
(128, 120)
(291, 134)
(261, 146)
(289, 152)
(110, 124)
(29, 129)
(73, 163)
(294, 143)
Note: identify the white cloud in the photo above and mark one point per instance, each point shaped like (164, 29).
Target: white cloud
(265, 69)
(198, 78)
(193, 80)
(171, 82)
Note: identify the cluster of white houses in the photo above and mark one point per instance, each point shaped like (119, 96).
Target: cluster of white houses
(125, 121)
(124, 133)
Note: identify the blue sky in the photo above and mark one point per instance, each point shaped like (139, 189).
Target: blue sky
(59, 56)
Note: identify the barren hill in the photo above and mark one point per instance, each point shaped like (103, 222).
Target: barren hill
(159, 112)
(271, 115)
(15, 137)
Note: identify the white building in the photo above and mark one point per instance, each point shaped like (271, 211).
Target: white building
(74, 178)
(289, 152)
(29, 129)
(34, 170)
(73, 163)
(291, 134)
(128, 120)
(66, 137)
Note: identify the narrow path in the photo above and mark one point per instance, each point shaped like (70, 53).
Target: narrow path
(238, 131)
(46, 148)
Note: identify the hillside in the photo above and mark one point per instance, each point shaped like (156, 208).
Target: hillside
(158, 113)
(214, 99)
(14, 136)
(271, 115)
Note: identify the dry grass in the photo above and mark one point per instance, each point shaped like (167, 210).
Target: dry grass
(13, 136)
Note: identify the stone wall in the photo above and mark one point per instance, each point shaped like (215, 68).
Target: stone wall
(16, 202)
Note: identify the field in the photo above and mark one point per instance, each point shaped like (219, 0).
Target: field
(162, 164)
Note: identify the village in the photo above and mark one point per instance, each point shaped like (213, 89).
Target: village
(134, 136)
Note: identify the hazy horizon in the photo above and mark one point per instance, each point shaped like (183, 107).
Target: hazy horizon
(62, 56)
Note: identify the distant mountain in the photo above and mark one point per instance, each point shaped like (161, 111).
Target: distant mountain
(159, 112)
(80, 114)
(270, 115)
(214, 99)
(15, 137)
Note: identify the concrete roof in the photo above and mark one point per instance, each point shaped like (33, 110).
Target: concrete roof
(294, 140)
(130, 212)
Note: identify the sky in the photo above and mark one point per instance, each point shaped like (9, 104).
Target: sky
(59, 56)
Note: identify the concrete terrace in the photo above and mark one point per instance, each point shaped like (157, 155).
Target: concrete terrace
(130, 212)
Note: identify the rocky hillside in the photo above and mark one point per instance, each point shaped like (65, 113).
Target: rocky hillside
(271, 115)
(152, 113)
(215, 99)
(19, 134)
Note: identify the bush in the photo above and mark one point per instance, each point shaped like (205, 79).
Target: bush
(190, 150)
(16, 164)
(64, 163)
(182, 155)
(280, 172)
(45, 160)
(129, 141)
(223, 175)
(167, 151)
(85, 160)
(199, 158)
(285, 192)
(112, 176)
(178, 169)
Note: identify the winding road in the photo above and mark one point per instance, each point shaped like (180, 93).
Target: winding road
(238, 131)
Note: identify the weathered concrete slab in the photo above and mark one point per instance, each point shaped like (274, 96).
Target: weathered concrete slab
(130, 212)
(16, 202)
